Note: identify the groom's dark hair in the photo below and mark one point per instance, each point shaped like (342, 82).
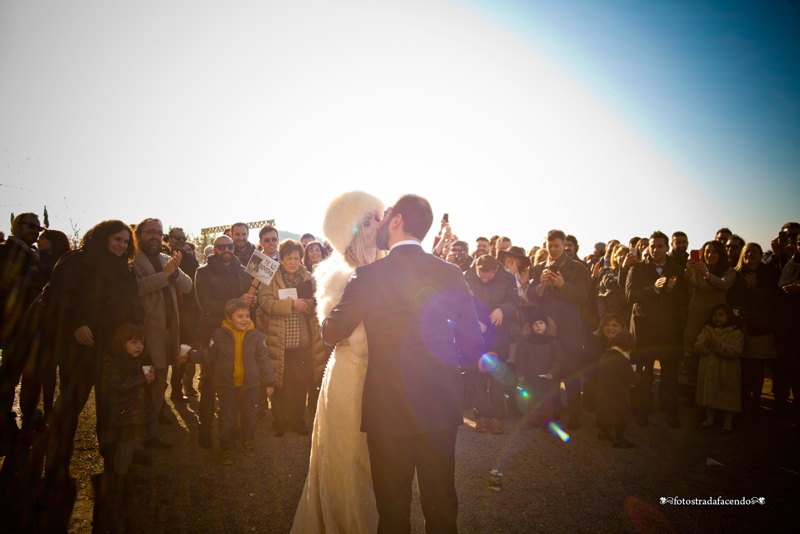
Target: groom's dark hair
(417, 215)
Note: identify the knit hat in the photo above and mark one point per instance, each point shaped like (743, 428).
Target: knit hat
(344, 214)
(533, 314)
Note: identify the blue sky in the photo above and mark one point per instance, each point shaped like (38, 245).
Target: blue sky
(715, 84)
(607, 119)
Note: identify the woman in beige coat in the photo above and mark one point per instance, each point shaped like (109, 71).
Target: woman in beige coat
(287, 316)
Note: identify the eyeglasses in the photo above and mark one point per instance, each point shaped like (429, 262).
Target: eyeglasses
(152, 232)
(32, 226)
(223, 247)
(457, 250)
(178, 237)
(268, 239)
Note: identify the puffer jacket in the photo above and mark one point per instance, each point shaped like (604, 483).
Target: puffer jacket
(272, 315)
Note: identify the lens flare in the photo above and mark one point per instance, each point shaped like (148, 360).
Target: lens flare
(556, 429)
(489, 362)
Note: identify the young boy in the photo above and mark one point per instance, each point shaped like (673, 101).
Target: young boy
(538, 364)
(240, 362)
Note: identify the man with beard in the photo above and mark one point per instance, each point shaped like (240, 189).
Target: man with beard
(20, 282)
(481, 247)
(678, 254)
(242, 248)
(160, 280)
(421, 324)
(221, 279)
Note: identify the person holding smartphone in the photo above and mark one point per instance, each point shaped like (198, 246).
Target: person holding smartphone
(709, 276)
(783, 247)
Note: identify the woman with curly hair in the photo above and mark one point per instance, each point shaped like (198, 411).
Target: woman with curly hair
(95, 290)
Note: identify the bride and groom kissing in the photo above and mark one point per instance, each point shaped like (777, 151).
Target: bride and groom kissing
(390, 403)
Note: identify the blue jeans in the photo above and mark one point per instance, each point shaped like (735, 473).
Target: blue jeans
(237, 414)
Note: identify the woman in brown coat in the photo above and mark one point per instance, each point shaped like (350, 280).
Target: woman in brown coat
(287, 316)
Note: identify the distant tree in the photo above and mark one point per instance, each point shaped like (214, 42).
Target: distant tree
(75, 236)
(12, 220)
(46, 218)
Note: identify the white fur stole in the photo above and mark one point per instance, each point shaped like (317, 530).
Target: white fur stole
(331, 275)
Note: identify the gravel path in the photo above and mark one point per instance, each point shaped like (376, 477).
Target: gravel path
(548, 485)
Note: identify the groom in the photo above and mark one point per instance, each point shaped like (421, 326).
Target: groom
(421, 325)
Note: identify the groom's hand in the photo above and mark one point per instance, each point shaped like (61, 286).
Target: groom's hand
(496, 317)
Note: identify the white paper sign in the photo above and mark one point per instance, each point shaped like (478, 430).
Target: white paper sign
(261, 267)
(289, 293)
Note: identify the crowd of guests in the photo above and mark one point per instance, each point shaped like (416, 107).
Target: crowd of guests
(713, 318)
(133, 301)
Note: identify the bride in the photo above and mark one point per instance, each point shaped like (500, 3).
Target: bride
(338, 495)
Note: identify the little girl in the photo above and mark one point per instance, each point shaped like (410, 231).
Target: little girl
(539, 361)
(134, 414)
(719, 376)
(615, 377)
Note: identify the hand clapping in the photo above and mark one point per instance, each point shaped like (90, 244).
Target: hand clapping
(171, 267)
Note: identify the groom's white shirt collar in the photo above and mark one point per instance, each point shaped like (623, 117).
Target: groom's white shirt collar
(406, 242)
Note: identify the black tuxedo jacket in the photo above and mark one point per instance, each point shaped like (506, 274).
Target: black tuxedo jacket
(657, 320)
(421, 325)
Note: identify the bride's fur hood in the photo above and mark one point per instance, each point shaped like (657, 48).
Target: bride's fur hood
(344, 214)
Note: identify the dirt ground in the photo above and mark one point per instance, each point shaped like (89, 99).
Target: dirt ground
(548, 484)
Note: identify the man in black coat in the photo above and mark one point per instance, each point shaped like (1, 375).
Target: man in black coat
(20, 282)
(560, 285)
(657, 291)
(421, 325)
(496, 302)
(221, 279)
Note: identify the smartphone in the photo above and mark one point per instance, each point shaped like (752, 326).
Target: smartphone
(694, 255)
(446, 217)
(783, 238)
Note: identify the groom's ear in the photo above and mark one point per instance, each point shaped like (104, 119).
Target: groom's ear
(396, 222)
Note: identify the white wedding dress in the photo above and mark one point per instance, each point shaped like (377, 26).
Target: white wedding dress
(338, 495)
